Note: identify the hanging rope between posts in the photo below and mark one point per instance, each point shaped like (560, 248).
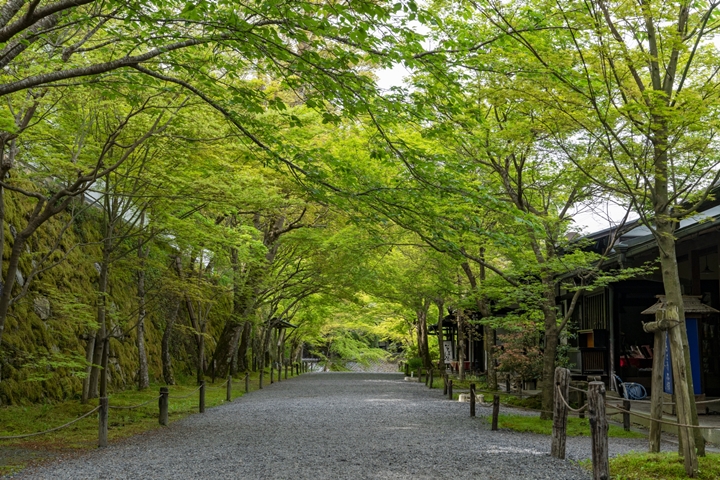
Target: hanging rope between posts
(219, 386)
(132, 407)
(13, 437)
(578, 410)
(577, 389)
(189, 394)
(647, 417)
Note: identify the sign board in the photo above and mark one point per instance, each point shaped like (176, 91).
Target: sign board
(667, 368)
(447, 351)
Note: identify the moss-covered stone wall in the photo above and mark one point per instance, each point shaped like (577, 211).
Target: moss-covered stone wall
(42, 356)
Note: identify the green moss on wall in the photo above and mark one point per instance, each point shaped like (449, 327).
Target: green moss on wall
(42, 360)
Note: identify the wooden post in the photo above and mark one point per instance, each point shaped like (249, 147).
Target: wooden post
(286, 369)
(472, 399)
(247, 382)
(103, 422)
(445, 384)
(450, 389)
(260, 379)
(272, 373)
(228, 397)
(279, 372)
(598, 430)
(430, 381)
(427, 376)
(560, 413)
(626, 415)
(656, 392)
(496, 412)
(202, 396)
(407, 370)
(163, 405)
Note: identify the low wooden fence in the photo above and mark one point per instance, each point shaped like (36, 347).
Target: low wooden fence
(596, 408)
(163, 400)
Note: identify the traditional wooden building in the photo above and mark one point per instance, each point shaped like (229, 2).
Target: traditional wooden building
(471, 339)
(608, 321)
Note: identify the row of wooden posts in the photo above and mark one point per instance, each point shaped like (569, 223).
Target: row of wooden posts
(164, 399)
(595, 408)
(448, 390)
(598, 422)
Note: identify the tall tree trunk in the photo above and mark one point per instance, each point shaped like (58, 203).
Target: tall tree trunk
(551, 343)
(422, 334)
(461, 344)
(167, 368)
(199, 339)
(244, 346)
(101, 318)
(143, 375)
(440, 306)
(679, 346)
(89, 352)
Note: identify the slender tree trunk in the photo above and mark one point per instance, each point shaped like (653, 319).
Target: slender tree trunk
(422, 335)
(489, 347)
(167, 334)
(143, 375)
(89, 351)
(551, 343)
(440, 306)
(244, 346)
(461, 344)
(680, 351)
(101, 333)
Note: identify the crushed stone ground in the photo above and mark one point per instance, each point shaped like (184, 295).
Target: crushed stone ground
(333, 426)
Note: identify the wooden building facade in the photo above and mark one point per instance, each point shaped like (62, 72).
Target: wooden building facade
(610, 339)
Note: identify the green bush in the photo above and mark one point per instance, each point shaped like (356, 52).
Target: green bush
(415, 363)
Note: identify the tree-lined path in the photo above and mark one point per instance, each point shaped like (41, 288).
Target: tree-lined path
(333, 425)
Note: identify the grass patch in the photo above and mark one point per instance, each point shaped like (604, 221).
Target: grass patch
(17, 420)
(576, 427)
(660, 466)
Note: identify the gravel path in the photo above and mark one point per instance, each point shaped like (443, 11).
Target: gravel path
(333, 426)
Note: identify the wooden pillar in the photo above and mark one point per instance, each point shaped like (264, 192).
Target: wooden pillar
(445, 384)
(103, 422)
(247, 382)
(472, 399)
(202, 397)
(431, 379)
(228, 396)
(450, 396)
(286, 371)
(272, 373)
(598, 430)
(495, 412)
(560, 412)
(626, 415)
(163, 406)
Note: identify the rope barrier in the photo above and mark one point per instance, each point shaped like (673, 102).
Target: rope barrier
(188, 395)
(647, 417)
(577, 389)
(120, 407)
(578, 410)
(13, 437)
